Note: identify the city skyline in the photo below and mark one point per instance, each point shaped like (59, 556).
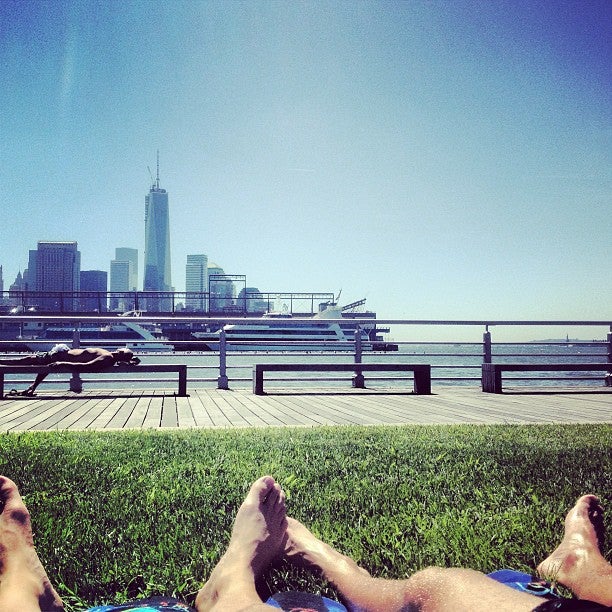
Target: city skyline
(444, 160)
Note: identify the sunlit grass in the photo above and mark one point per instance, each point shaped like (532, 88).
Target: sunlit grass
(122, 515)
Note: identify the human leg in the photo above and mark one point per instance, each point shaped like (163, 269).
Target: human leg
(258, 536)
(577, 562)
(430, 589)
(24, 584)
(28, 360)
(39, 378)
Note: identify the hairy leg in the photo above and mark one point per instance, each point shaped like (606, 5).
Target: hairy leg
(577, 562)
(24, 584)
(431, 589)
(258, 536)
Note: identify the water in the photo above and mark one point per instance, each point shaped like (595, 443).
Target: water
(452, 364)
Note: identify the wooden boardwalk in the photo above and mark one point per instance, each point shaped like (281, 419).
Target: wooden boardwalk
(212, 408)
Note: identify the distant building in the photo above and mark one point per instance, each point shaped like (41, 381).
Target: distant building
(220, 289)
(16, 290)
(54, 271)
(196, 281)
(18, 283)
(131, 255)
(157, 243)
(121, 298)
(3, 299)
(94, 285)
(250, 299)
(123, 279)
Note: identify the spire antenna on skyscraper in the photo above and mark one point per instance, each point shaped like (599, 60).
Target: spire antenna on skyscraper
(158, 168)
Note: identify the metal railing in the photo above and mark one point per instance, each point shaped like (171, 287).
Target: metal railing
(200, 303)
(452, 361)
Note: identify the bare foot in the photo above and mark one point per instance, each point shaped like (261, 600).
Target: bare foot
(303, 548)
(24, 584)
(258, 536)
(577, 562)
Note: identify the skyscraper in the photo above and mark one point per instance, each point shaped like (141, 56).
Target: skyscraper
(157, 239)
(54, 269)
(94, 284)
(124, 279)
(120, 298)
(130, 255)
(196, 280)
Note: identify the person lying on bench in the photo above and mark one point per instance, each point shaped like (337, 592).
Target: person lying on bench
(77, 360)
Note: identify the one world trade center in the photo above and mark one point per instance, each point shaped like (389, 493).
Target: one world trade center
(157, 241)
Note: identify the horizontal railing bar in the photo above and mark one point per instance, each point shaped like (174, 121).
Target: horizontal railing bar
(556, 355)
(560, 343)
(359, 321)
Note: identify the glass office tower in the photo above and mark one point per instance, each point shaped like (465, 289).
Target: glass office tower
(157, 244)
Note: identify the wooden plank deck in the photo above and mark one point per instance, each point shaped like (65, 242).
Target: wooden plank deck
(212, 408)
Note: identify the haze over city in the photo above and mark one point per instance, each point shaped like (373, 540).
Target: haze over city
(445, 160)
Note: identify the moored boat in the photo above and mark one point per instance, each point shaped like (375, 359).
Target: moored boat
(327, 330)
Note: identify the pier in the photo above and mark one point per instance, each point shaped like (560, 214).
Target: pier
(161, 409)
(219, 393)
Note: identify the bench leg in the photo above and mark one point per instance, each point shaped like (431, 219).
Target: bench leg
(76, 384)
(497, 381)
(422, 381)
(358, 381)
(258, 381)
(2, 386)
(182, 382)
(491, 379)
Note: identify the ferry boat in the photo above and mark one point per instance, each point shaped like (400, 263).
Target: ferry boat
(280, 331)
(137, 336)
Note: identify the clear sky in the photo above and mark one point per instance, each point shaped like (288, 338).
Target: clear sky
(443, 159)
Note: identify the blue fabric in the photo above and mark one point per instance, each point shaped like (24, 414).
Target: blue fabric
(297, 600)
(150, 604)
(521, 581)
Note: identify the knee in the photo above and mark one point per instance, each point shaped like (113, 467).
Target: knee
(425, 588)
(433, 584)
(431, 576)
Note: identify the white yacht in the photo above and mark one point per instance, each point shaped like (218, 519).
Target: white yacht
(282, 332)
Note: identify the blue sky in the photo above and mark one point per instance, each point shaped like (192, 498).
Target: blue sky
(445, 160)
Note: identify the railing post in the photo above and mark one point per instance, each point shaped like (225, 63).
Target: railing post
(486, 346)
(608, 376)
(358, 380)
(76, 384)
(222, 382)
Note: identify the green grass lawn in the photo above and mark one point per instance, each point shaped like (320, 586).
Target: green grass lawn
(120, 515)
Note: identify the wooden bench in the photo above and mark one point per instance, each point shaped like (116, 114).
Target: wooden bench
(422, 372)
(492, 372)
(180, 369)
